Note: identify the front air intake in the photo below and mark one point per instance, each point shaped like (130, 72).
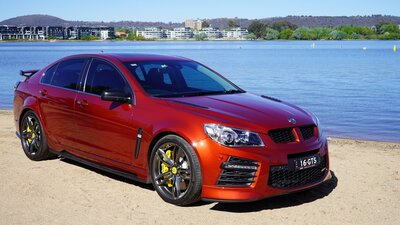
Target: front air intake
(237, 172)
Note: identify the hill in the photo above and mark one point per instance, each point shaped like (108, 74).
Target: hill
(315, 21)
(309, 21)
(35, 20)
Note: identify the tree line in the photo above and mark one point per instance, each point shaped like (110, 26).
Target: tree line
(289, 31)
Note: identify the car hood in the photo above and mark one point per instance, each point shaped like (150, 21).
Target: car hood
(246, 109)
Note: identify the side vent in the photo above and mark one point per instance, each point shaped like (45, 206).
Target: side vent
(138, 141)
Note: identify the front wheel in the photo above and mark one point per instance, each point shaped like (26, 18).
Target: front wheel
(175, 171)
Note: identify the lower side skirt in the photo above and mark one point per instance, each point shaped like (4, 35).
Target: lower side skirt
(121, 173)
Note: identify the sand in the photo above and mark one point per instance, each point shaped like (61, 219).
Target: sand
(365, 189)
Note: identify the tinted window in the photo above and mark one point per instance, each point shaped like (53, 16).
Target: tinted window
(68, 73)
(179, 78)
(46, 79)
(195, 79)
(103, 77)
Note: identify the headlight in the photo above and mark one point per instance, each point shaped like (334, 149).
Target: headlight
(232, 137)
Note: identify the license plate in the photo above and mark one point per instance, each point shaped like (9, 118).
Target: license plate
(304, 162)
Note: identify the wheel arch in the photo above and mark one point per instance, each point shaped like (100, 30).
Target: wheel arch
(158, 137)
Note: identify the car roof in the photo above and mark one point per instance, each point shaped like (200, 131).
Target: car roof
(126, 57)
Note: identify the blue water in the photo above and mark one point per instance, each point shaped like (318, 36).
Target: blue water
(353, 86)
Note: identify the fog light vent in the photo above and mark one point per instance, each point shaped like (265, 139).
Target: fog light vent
(237, 172)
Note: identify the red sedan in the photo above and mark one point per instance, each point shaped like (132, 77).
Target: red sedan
(172, 122)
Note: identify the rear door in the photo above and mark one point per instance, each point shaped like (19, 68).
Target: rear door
(105, 128)
(58, 89)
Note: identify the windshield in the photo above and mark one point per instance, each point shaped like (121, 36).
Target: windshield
(179, 79)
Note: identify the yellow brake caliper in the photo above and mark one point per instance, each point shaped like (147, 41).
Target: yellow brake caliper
(32, 134)
(164, 167)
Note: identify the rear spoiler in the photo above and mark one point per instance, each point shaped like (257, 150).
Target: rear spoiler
(27, 73)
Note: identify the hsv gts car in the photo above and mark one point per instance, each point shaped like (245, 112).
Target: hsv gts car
(172, 122)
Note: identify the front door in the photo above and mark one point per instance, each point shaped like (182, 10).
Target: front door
(105, 128)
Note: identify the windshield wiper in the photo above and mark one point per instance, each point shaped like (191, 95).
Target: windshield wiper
(233, 91)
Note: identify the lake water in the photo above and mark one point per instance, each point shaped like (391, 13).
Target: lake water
(353, 86)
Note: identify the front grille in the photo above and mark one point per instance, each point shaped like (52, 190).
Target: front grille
(283, 177)
(307, 132)
(282, 135)
(237, 172)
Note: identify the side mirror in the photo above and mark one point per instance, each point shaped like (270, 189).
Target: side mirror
(115, 96)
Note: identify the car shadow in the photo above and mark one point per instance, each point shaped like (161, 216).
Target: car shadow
(283, 201)
(108, 174)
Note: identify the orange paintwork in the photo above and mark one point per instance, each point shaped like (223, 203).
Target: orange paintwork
(107, 135)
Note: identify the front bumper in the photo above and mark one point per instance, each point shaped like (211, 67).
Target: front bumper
(213, 155)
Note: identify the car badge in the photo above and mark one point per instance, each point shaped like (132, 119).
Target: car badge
(292, 120)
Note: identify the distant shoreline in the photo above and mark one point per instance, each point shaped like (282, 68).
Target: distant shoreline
(188, 40)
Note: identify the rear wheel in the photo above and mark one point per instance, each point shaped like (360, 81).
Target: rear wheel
(175, 171)
(33, 139)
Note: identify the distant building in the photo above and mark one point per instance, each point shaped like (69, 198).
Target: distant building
(121, 34)
(71, 33)
(180, 33)
(211, 33)
(151, 33)
(194, 24)
(236, 33)
(58, 32)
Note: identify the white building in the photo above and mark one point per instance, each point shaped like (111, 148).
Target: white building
(180, 33)
(211, 33)
(236, 33)
(151, 33)
(104, 35)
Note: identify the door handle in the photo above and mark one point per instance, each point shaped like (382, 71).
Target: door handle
(43, 92)
(82, 103)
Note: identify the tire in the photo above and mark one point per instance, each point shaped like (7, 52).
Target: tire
(33, 139)
(175, 171)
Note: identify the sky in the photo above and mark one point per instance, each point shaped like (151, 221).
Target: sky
(179, 10)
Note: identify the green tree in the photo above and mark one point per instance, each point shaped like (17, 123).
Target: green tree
(302, 33)
(270, 34)
(257, 28)
(337, 35)
(200, 37)
(89, 38)
(232, 24)
(283, 25)
(286, 34)
(318, 33)
(132, 36)
(251, 36)
(205, 24)
(389, 27)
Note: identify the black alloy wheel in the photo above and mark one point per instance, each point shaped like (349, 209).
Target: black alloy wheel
(33, 139)
(175, 171)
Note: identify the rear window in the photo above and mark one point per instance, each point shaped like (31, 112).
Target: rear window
(68, 73)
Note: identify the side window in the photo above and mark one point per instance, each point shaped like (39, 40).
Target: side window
(68, 73)
(103, 77)
(48, 75)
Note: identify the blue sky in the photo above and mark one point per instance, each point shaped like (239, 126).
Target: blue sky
(179, 10)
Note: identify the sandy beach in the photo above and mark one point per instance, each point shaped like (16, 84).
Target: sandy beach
(365, 189)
